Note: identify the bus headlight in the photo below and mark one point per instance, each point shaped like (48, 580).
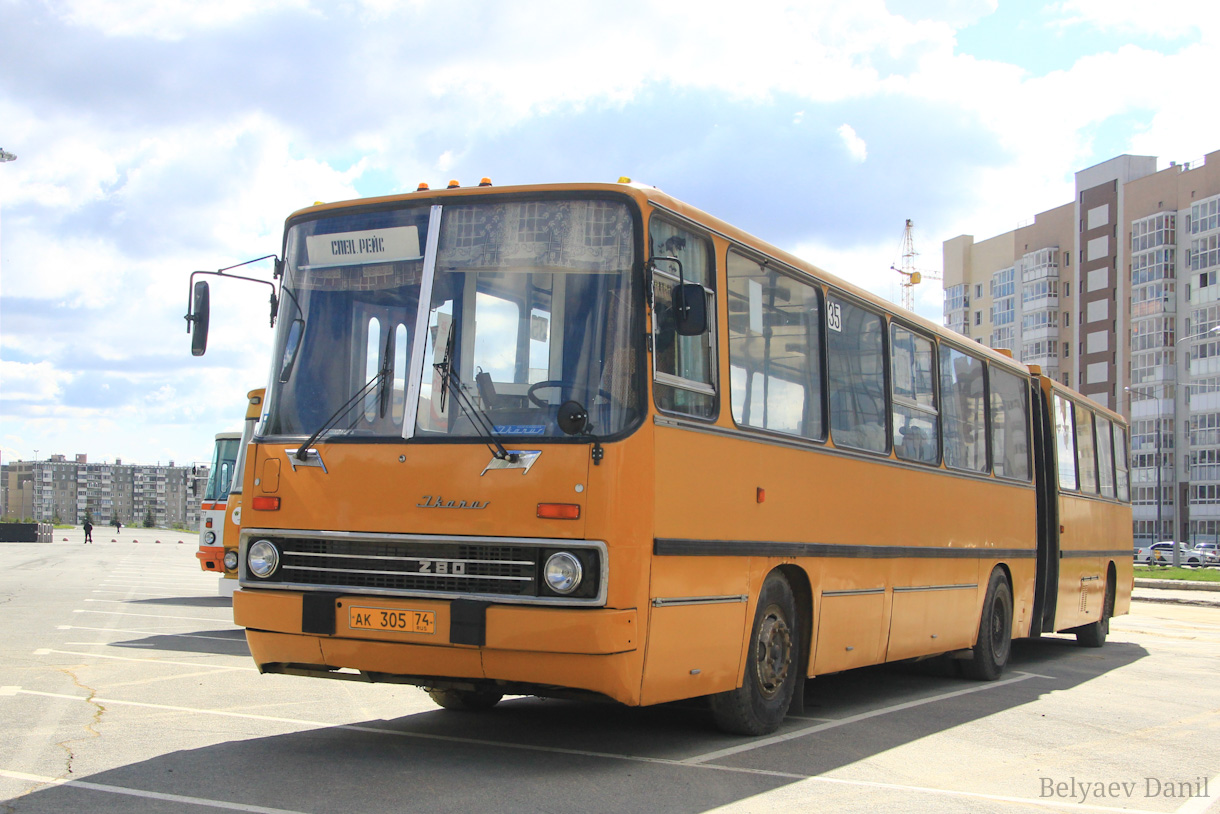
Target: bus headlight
(262, 558)
(562, 573)
(230, 559)
(209, 537)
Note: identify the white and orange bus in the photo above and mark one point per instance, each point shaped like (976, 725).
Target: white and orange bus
(585, 438)
(220, 518)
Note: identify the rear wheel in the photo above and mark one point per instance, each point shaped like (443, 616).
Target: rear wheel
(1094, 633)
(759, 705)
(469, 700)
(990, 653)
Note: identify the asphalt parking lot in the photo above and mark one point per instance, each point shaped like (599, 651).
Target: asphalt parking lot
(124, 686)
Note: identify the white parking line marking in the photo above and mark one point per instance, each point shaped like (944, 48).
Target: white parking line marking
(1200, 805)
(148, 795)
(111, 702)
(153, 633)
(851, 719)
(152, 615)
(47, 651)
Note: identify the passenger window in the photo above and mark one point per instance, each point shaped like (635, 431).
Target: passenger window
(856, 356)
(684, 367)
(1009, 425)
(1105, 457)
(916, 424)
(1085, 459)
(1120, 464)
(774, 350)
(372, 364)
(1065, 448)
(963, 410)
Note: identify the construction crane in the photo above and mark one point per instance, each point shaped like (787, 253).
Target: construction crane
(908, 274)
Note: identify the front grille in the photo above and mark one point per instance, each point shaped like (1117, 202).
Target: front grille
(433, 567)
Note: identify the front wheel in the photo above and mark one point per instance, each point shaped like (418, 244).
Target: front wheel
(467, 700)
(990, 653)
(759, 705)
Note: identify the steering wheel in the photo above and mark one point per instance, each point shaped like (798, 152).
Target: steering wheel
(531, 393)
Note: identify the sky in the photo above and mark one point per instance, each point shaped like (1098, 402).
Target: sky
(158, 137)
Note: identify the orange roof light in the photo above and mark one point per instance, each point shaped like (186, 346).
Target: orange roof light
(265, 503)
(423, 187)
(559, 511)
(453, 184)
(485, 181)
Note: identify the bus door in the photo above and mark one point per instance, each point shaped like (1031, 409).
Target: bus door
(1046, 481)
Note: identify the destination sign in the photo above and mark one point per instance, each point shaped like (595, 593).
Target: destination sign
(368, 246)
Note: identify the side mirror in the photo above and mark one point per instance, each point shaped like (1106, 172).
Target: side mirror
(198, 319)
(690, 309)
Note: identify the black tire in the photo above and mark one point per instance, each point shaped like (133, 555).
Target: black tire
(1094, 634)
(466, 700)
(990, 652)
(759, 705)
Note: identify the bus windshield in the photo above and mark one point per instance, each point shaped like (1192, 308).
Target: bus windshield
(224, 462)
(529, 304)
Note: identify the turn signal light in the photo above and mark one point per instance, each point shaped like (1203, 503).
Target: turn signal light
(559, 511)
(265, 503)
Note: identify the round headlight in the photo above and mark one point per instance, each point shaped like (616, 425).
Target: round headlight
(562, 573)
(230, 559)
(262, 558)
(209, 537)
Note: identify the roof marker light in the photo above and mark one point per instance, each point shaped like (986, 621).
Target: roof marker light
(485, 181)
(453, 184)
(423, 187)
(624, 179)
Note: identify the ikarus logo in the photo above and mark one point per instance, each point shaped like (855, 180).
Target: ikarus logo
(438, 502)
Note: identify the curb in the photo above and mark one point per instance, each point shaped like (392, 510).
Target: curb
(1177, 585)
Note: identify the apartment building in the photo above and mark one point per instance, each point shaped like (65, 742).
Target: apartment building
(1116, 294)
(59, 490)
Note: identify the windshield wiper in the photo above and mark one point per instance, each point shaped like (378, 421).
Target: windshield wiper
(378, 377)
(450, 383)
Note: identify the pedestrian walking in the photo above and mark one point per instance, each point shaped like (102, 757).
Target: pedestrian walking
(88, 532)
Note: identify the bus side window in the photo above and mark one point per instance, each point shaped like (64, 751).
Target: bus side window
(684, 367)
(1009, 424)
(1105, 457)
(912, 371)
(856, 355)
(963, 410)
(1085, 458)
(1065, 446)
(1120, 464)
(774, 350)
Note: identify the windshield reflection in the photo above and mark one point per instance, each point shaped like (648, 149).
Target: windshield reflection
(534, 301)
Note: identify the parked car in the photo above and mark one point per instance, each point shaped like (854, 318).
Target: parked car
(1162, 554)
(1210, 548)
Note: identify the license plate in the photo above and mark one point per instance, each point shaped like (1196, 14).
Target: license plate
(403, 621)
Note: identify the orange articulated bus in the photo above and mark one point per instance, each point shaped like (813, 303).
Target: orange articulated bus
(220, 518)
(585, 438)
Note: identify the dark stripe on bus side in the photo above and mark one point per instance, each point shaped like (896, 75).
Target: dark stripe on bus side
(1119, 552)
(670, 547)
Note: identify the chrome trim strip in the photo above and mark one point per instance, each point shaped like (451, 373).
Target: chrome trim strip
(406, 559)
(856, 592)
(678, 601)
(770, 548)
(401, 573)
(525, 461)
(416, 381)
(916, 588)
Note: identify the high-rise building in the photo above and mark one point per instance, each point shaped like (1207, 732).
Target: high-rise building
(1116, 294)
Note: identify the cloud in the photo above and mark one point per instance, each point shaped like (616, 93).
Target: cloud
(855, 145)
